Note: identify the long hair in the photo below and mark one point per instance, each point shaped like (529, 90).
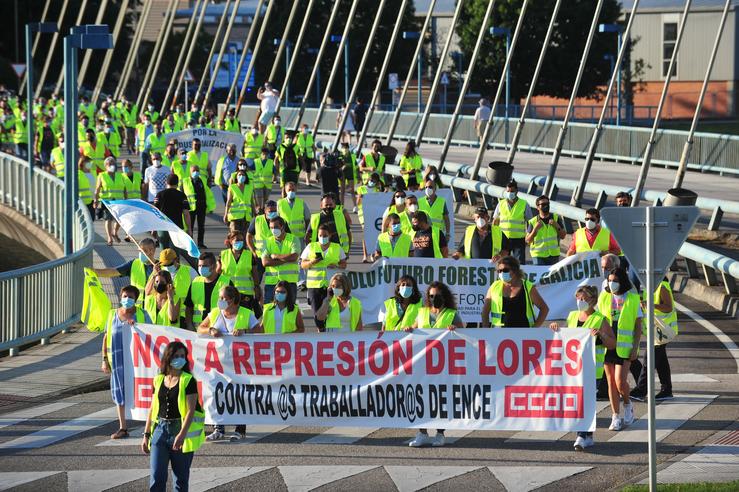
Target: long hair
(446, 294)
(290, 300)
(171, 349)
(415, 295)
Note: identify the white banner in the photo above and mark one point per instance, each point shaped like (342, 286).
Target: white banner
(469, 281)
(213, 142)
(519, 379)
(374, 204)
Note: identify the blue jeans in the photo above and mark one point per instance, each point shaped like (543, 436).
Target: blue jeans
(162, 455)
(545, 261)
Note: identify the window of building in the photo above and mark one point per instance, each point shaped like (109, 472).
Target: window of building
(669, 38)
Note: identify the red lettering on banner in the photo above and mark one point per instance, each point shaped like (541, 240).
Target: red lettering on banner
(141, 353)
(400, 358)
(434, 346)
(361, 369)
(344, 353)
(303, 354)
(323, 356)
(573, 351)
(558, 402)
(531, 353)
(261, 357)
(158, 349)
(143, 389)
(456, 355)
(241, 352)
(553, 356)
(379, 347)
(283, 353)
(212, 361)
(508, 345)
(482, 367)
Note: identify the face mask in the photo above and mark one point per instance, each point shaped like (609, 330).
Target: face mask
(277, 123)
(395, 228)
(590, 224)
(111, 169)
(127, 302)
(323, 240)
(222, 304)
(614, 286)
(505, 276)
(178, 363)
(108, 130)
(305, 131)
(416, 227)
(511, 195)
(238, 245)
(254, 131)
(338, 291)
(429, 192)
(276, 232)
(405, 291)
(143, 257)
(413, 208)
(272, 215)
(204, 271)
(399, 200)
(371, 184)
(545, 208)
(172, 269)
(432, 177)
(480, 222)
(161, 287)
(242, 179)
(328, 210)
(151, 107)
(61, 145)
(195, 174)
(582, 305)
(157, 163)
(280, 296)
(291, 195)
(437, 301)
(147, 123)
(127, 170)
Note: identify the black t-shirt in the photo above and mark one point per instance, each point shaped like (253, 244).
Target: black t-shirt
(514, 311)
(423, 243)
(48, 140)
(208, 289)
(168, 404)
(483, 247)
(172, 202)
(329, 176)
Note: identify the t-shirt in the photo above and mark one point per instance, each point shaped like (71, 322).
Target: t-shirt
(208, 289)
(330, 176)
(482, 113)
(483, 247)
(423, 244)
(308, 252)
(168, 399)
(226, 326)
(172, 202)
(269, 101)
(156, 178)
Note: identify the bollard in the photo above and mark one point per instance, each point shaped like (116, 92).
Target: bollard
(45, 341)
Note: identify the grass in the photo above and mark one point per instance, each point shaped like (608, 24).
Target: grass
(687, 487)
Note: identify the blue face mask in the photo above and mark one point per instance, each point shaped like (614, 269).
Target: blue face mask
(204, 271)
(143, 258)
(238, 245)
(405, 291)
(242, 179)
(272, 215)
(178, 363)
(505, 276)
(127, 302)
(195, 174)
(280, 296)
(396, 228)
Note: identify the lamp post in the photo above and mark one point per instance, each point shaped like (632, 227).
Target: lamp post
(85, 37)
(612, 61)
(288, 45)
(618, 29)
(419, 62)
(336, 38)
(505, 31)
(314, 52)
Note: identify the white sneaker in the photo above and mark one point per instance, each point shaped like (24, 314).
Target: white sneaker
(628, 414)
(589, 442)
(439, 440)
(354, 210)
(615, 423)
(421, 439)
(214, 436)
(579, 443)
(236, 436)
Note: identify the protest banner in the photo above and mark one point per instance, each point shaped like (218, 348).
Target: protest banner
(212, 141)
(469, 281)
(522, 379)
(374, 205)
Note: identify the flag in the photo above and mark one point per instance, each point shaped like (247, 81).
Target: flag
(95, 304)
(139, 217)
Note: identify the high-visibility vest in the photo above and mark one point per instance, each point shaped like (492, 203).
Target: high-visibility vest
(546, 240)
(95, 302)
(444, 319)
(496, 236)
(200, 160)
(253, 145)
(350, 166)
(379, 166)
(157, 143)
(96, 155)
(172, 127)
(512, 220)
(57, 156)
(218, 178)
(232, 125)
(112, 141)
(306, 145)
(363, 190)
(435, 238)
(138, 278)
(132, 185)
(668, 319)
(153, 115)
(341, 228)
(129, 117)
(285, 149)
(405, 219)
(316, 275)
(197, 295)
(109, 332)
(294, 215)
(243, 315)
(287, 271)
(182, 171)
(601, 243)
(85, 193)
(289, 319)
(181, 281)
(195, 436)
(241, 207)
(141, 136)
(88, 109)
(20, 136)
(401, 249)
(111, 188)
(435, 212)
(495, 294)
(189, 189)
(263, 173)
(240, 271)
(414, 163)
(158, 316)
(626, 320)
(261, 232)
(273, 134)
(333, 320)
(592, 323)
(394, 321)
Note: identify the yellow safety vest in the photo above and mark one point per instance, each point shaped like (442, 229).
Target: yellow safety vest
(111, 188)
(96, 155)
(241, 207)
(253, 145)
(288, 271)
(200, 160)
(158, 317)
(445, 319)
(668, 319)
(402, 245)
(109, 332)
(85, 193)
(495, 293)
(157, 144)
(57, 155)
(546, 240)
(272, 133)
(316, 275)
(341, 228)
(512, 220)
(379, 166)
(189, 190)
(261, 232)
(243, 315)
(240, 271)
(232, 125)
(405, 220)
(195, 436)
(496, 237)
(393, 319)
(306, 144)
(414, 163)
(263, 173)
(138, 277)
(294, 215)
(435, 212)
(592, 323)
(132, 185)
(333, 320)
(363, 190)
(601, 243)
(197, 295)
(289, 319)
(626, 320)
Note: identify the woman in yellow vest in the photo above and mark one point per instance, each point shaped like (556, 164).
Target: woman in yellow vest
(316, 258)
(340, 311)
(239, 203)
(510, 300)
(263, 171)
(393, 242)
(238, 264)
(401, 310)
(587, 317)
(435, 208)
(622, 307)
(228, 318)
(398, 206)
(119, 320)
(110, 186)
(411, 165)
(283, 314)
(373, 185)
(132, 180)
(160, 301)
(175, 427)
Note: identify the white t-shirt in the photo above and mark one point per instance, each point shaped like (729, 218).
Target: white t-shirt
(156, 178)
(482, 113)
(269, 101)
(226, 326)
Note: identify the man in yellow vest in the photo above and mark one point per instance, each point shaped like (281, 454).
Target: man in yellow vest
(483, 239)
(511, 215)
(372, 162)
(307, 151)
(95, 150)
(335, 220)
(593, 237)
(57, 157)
(132, 180)
(201, 200)
(435, 207)
(315, 260)
(393, 243)
(428, 241)
(543, 234)
(199, 158)
(273, 136)
(156, 141)
(253, 144)
(138, 270)
(280, 259)
(111, 139)
(204, 289)
(110, 186)
(231, 124)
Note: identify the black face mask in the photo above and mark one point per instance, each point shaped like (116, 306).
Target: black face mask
(327, 210)
(545, 208)
(416, 227)
(161, 287)
(437, 301)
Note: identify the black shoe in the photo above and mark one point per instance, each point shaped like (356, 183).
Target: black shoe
(202, 246)
(638, 395)
(663, 395)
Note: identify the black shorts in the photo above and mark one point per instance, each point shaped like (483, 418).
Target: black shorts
(103, 213)
(613, 358)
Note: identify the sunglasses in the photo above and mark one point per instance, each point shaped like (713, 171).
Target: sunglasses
(504, 270)
(591, 218)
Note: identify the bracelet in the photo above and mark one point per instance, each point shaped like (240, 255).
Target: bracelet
(147, 435)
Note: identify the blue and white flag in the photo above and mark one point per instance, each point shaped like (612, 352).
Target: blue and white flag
(139, 217)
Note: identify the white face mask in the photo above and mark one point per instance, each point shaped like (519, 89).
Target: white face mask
(399, 200)
(412, 208)
(613, 286)
(590, 224)
(338, 291)
(157, 163)
(111, 169)
(429, 192)
(222, 304)
(582, 305)
(480, 222)
(510, 195)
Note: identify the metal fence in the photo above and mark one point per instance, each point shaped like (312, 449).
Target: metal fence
(44, 299)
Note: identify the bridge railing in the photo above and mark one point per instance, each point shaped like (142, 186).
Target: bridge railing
(43, 299)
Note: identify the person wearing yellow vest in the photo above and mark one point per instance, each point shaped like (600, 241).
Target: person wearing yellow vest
(138, 270)
(231, 124)
(510, 300)
(622, 307)
(337, 223)
(543, 234)
(199, 158)
(588, 318)
(20, 135)
(111, 139)
(226, 168)
(253, 144)
(173, 432)
(341, 312)
(152, 113)
(204, 289)
(229, 318)
(155, 141)
(287, 159)
(143, 130)
(511, 215)
(110, 186)
(201, 201)
(128, 114)
(280, 258)
(160, 301)
(411, 165)
(263, 171)
(57, 158)
(428, 242)
(181, 274)
(435, 208)
(393, 242)
(482, 240)
(132, 180)
(374, 185)
(666, 329)
(439, 311)
(307, 146)
(119, 320)
(593, 237)
(87, 184)
(95, 150)
(259, 232)
(294, 210)
(398, 206)
(273, 135)
(238, 264)
(171, 157)
(170, 125)
(315, 260)
(400, 311)
(239, 203)
(283, 315)
(372, 162)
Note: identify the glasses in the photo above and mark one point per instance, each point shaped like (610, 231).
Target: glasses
(591, 218)
(504, 270)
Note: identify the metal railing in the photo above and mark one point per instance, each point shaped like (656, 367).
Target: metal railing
(44, 299)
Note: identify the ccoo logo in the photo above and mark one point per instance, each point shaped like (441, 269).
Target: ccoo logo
(564, 402)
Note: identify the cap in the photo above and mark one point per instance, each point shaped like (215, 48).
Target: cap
(167, 257)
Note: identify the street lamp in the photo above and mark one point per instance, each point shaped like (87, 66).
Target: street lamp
(618, 29)
(612, 60)
(315, 51)
(419, 61)
(86, 37)
(288, 44)
(336, 38)
(505, 31)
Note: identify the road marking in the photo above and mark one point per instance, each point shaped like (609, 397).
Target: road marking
(14, 418)
(99, 480)
(710, 464)
(692, 378)
(256, 432)
(715, 330)
(541, 436)
(341, 435)
(305, 478)
(8, 480)
(202, 479)
(525, 478)
(133, 439)
(56, 433)
(412, 478)
(671, 415)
